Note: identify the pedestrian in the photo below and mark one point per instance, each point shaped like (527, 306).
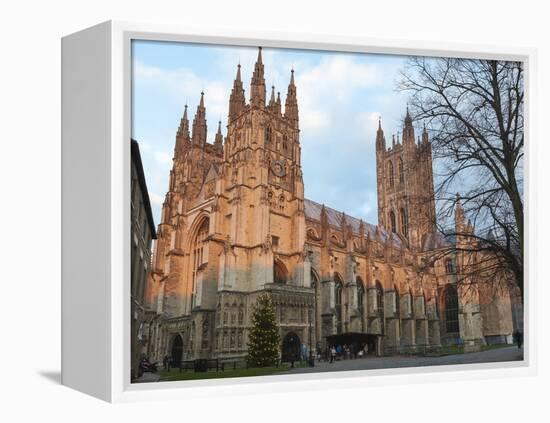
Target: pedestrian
(518, 338)
(332, 354)
(165, 363)
(366, 349)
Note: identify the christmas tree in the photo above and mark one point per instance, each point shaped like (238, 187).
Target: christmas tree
(263, 340)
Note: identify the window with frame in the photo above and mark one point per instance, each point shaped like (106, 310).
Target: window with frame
(393, 222)
(391, 176)
(451, 309)
(198, 253)
(379, 299)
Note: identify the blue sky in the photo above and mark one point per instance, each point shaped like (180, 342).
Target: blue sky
(340, 98)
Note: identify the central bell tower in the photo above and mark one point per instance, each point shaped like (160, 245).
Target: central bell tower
(264, 181)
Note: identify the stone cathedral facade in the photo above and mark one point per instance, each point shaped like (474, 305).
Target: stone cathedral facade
(235, 224)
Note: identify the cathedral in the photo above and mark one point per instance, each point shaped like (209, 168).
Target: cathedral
(235, 224)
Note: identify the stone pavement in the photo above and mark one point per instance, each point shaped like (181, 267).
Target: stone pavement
(511, 353)
(147, 377)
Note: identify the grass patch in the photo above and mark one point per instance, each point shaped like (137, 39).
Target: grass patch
(175, 374)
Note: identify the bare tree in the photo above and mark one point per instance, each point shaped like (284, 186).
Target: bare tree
(474, 112)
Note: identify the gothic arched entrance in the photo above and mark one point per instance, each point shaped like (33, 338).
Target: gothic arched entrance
(291, 348)
(177, 350)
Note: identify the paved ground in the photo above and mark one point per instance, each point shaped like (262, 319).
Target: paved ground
(490, 356)
(147, 377)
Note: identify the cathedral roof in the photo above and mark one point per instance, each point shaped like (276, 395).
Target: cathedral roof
(435, 241)
(334, 217)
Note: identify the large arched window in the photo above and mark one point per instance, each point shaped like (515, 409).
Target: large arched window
(197, 251)
(392, 221)
(360, 300)
(404, 223)
(339, 287)
(451, 309)
(401, 171)
(379, 299)
(280, 274)
(391, 176)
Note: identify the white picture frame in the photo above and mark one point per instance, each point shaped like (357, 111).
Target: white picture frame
(96, 130)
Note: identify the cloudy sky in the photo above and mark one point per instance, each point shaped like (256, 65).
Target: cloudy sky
(340, 98)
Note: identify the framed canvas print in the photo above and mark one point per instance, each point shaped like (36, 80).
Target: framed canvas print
(252, 212)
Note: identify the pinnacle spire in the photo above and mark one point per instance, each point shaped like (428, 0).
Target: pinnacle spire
(257, 86)
(408, 130)
(272, 99)
(182, 135)
(237, 101)
(291, 103)
(380, 139)
(218, 140)
(199, 124)
(425, 138)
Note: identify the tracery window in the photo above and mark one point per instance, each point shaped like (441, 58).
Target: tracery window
(451, 309)
(198, 253)
(392, 222)
(268, 134)
(379, 298)
(397, 302)
(391, 177)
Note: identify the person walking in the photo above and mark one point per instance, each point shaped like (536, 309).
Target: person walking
(332, 354)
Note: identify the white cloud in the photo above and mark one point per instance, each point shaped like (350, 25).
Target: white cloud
(156, 199)
(163, 157)
(367, 122)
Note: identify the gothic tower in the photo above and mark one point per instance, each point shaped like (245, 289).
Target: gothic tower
(405, 187)
(264, 186)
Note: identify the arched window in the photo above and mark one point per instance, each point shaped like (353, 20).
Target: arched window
(205, 333)
(451, 309)
(360, 299)
(397, 302)
(339, 287)
(392, 222)
(279, 272)
(391, 177)
(379, 299)
(285, 143)
(197, 251)
(268, 134)
(449, 267)
(401, 171)
(404, 223)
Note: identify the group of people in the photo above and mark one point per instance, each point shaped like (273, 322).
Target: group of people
(346, 352)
